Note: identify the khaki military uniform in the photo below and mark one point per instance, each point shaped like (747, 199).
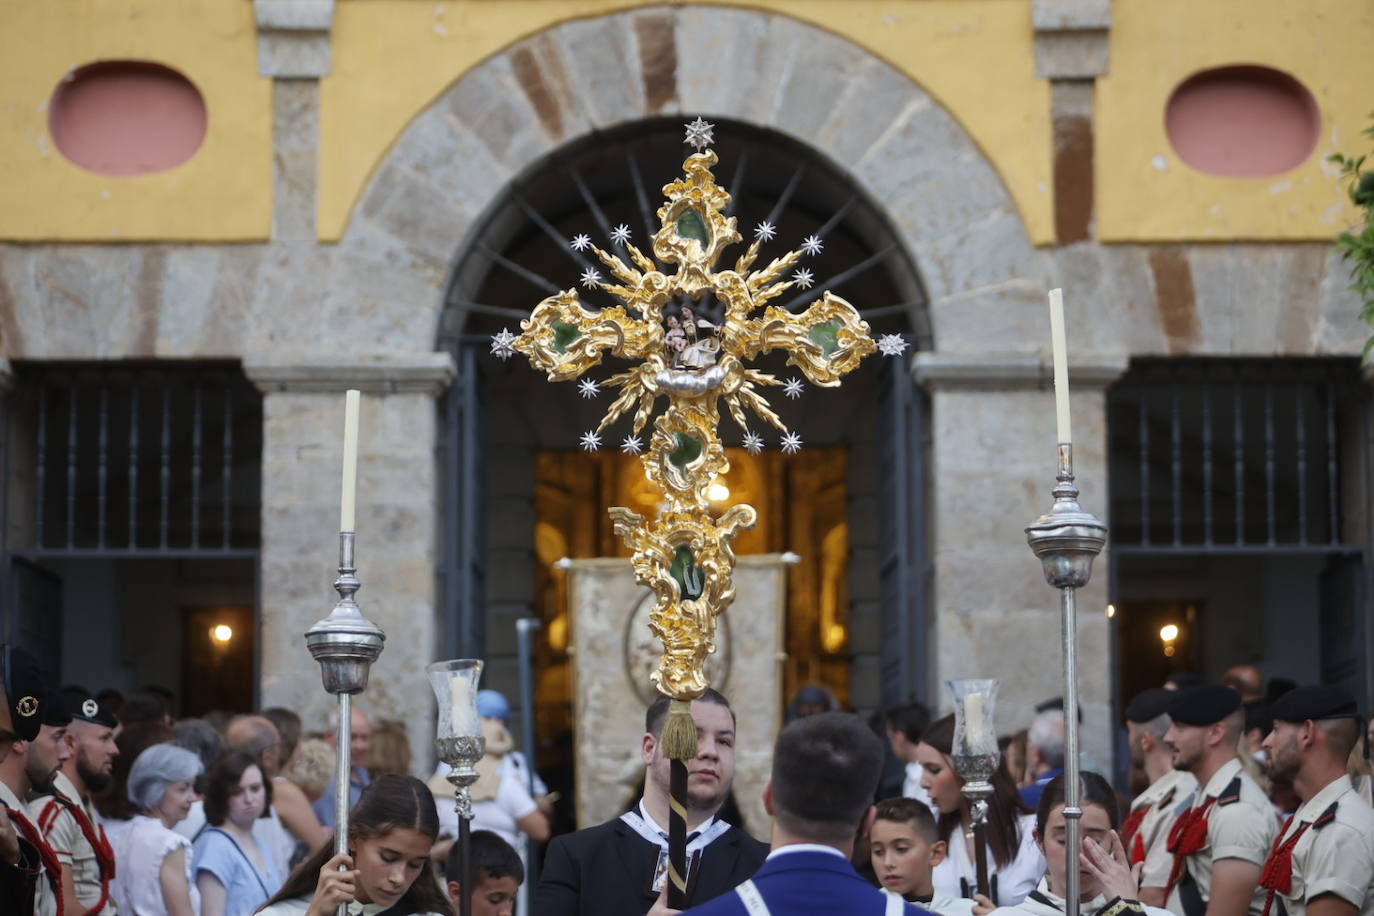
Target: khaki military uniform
(1334, 852)
(1156, 809)
(71, 827)
(1241, 824)
(48, 900)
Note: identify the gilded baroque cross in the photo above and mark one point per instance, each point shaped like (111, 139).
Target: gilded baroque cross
(684, 555)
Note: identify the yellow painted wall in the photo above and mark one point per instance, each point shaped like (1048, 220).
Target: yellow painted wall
(223, 193)
(393, 58)
(1146, 193)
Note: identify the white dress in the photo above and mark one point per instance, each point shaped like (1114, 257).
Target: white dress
(1043, 903)
(139, 851)
(297, 906)
(1014, 881)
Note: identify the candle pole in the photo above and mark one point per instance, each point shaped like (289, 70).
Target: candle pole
(345, 643)
(976, 758)
(460, 742)
(1067, 539)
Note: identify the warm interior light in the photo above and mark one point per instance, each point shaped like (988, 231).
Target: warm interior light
(718, 492)
(221, 633)
(1169, 651)
(1111, 611)
(1168, 632)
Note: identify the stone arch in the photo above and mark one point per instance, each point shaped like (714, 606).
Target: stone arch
(952, 211)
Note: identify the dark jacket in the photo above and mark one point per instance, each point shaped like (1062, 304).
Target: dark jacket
(607, 871)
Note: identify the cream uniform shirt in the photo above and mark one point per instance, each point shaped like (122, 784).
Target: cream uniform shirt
(1336, 856)
(65, 836)
(1241, 829)
(45, 902)
(1163, 798)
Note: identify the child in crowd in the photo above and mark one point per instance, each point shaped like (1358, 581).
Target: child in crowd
(496, 875)
(905, 846)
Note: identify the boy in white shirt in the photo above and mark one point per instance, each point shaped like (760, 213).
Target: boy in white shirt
(905, 846)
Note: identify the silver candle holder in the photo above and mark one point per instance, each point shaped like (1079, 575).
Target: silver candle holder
(1067, 540)
(460, 742)
(976, 758)
(345, 644)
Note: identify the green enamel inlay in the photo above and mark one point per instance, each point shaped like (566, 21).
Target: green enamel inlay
(690, 225)
(687, 573)
(564, 334)
(687, 450)
(826, 336)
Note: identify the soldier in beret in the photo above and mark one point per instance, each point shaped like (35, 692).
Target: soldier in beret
(1145, 834)
(30, 751)
(1323, 863)
(1220, 840)
(67, 816)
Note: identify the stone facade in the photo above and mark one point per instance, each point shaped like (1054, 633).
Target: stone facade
(308, 318)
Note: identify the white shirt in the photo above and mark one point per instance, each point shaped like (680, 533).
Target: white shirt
(500, 815)
(942, 904)
(1015, 880)
(1055, 905)
(139, 851)
(297, 905)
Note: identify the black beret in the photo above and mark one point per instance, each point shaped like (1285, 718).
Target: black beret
(1315, 702)
(55, 710)
(1203, 705)
(81, 705)
(26, 691)
(1149, 705)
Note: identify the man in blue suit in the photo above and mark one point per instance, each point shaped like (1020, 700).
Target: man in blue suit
(825, 770)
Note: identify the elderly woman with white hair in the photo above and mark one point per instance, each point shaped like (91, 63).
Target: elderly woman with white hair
(153, 861)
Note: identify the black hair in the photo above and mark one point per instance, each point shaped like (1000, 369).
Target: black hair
(1005, 806)
(1092, 790)
(492, 857)
(911, 720)
(223, 781)
(392, 802)
(657, 712)
(909, 811)
(825, 771)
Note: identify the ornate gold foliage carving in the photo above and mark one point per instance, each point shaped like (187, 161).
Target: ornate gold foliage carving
(684, 555)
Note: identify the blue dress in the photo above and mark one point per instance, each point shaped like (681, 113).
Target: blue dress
(246, 887)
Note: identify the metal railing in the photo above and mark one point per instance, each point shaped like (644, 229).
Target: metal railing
(134, 459)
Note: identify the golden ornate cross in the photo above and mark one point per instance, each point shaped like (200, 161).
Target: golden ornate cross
(684, 555)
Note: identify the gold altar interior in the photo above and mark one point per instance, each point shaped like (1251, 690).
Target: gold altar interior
(802, 506)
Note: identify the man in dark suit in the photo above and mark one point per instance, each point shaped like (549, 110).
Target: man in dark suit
(825, 769)
(618, 868)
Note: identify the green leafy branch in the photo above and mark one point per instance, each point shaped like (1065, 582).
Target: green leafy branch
(1357, 245)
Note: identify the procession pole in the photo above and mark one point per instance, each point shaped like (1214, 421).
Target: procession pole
(345, 643)
(460, 743)
(1067, 539)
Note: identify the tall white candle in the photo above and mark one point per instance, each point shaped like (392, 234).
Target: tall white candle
(1061, 366)
(350, 462)
(461, 711)
(975, 723)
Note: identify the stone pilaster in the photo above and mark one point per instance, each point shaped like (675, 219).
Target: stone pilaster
(397, 526)
(993, 464)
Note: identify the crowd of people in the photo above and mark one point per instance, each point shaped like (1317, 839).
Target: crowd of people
(1242, 803)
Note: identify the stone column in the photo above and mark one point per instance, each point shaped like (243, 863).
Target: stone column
(993, 466)
(302, 448)
(1071, 51)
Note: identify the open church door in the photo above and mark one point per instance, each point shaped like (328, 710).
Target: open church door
(35, 613)
(903, 571)
(1345, 626)
(464, 619)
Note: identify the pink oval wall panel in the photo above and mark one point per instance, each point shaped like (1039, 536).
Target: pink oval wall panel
(127, 118)
(1242, 122)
